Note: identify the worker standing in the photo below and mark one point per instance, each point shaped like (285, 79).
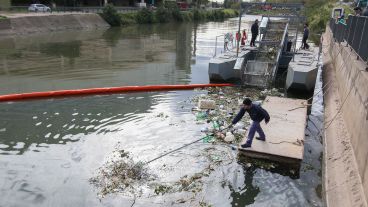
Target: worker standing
(254, 30)
(257, 114)
(305, 37)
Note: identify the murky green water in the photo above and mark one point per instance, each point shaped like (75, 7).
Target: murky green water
(50, 148)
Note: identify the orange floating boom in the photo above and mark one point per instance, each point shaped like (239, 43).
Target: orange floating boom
(89, 91)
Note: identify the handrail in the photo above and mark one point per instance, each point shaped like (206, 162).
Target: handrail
(279, 53)
(216, 45)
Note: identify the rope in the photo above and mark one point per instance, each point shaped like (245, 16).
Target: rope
(299, 143)
(313, 97)
(330, 121)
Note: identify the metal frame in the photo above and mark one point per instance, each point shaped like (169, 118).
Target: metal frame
(354, 33)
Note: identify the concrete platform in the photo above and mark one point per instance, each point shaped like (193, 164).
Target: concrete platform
(302, 72)
(284, 133)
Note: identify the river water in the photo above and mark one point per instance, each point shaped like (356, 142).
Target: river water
(50, 148)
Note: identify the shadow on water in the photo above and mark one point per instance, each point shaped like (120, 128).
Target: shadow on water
(247, 194)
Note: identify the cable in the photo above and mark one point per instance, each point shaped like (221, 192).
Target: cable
(298, 142)
(330, 121)
(313, 97)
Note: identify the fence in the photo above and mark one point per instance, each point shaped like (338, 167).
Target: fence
(354, 33)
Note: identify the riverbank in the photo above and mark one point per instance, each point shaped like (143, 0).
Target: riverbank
(164, 15)
(346, 121)
(20, 24)
(27, 23)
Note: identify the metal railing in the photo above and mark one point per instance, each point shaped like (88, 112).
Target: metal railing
(354, 33)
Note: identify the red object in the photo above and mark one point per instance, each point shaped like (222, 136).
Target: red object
(266, 7)
(89, 91)
(182, 5)
(237, 36)
(244, 38)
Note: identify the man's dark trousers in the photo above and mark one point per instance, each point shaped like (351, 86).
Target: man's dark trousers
(305, 44)
(252, 41)
(255, 127)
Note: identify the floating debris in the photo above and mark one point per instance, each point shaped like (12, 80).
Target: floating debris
(162, 115)
(120, 174)
(220, 105)
(206, 104)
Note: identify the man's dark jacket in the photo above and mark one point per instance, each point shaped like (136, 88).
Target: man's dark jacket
(256, 113)
(254, 29)
(306, 33)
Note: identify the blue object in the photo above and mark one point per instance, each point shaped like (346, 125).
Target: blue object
(256, 113)
(255, 127)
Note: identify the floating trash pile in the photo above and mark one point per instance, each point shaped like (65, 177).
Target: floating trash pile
(217, 109)
(193, 183)
(120, 174)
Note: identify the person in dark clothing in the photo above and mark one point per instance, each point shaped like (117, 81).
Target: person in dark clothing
(254, 30)
(305, 37)
(257, 114)
(358, 11)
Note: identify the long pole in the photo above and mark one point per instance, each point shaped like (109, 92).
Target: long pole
(174, 150)
(237, 40)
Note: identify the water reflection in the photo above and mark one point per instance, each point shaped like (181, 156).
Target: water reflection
(66, 120)
(49, 148)
(66, 49)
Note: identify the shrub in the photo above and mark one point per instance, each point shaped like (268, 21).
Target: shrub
(218, 15)
(198, 15)
(111, 15)
(228, 13)
(187, 16)
(177, 15)
(128, 18)
(162, 14)
(144, 16)
(235, 6)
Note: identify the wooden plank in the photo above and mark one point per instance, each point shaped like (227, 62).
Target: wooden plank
(284, 133)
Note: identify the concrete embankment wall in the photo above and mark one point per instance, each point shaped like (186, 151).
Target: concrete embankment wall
(47, 23)
(351, 104)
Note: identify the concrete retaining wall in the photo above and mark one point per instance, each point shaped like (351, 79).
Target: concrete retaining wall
(352, 82)
(48, 23)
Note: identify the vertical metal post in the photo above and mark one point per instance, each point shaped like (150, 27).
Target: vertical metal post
(361, 38)
(215, 47)
(237, 41)
(296, 37)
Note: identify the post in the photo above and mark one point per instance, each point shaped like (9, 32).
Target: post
(215, 47)
(361, 38)
(237, 41)
(296, 36)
